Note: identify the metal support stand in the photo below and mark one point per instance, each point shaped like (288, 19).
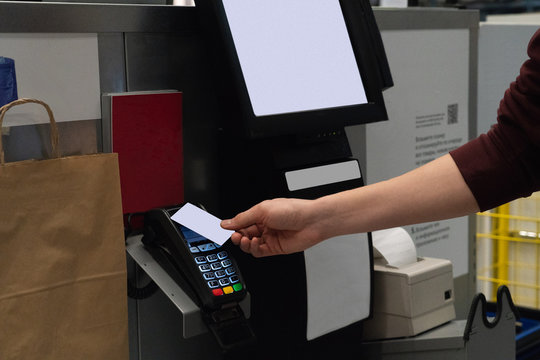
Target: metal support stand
(192, 321)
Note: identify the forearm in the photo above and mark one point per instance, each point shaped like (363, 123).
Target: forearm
(432, 192)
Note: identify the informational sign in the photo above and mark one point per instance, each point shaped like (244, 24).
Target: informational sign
(428, 117)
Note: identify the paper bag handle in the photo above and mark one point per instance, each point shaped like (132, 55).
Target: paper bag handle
(53, 131)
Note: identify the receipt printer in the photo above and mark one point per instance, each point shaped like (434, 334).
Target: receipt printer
(410, 299)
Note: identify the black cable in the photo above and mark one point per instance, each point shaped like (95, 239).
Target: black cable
(133, 290)
(144, 292)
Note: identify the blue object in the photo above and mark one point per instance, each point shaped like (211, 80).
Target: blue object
(528, 339)
(8, 81)
(528, 327)
(527, 335)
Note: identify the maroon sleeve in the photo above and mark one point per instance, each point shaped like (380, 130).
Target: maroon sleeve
(504, 164)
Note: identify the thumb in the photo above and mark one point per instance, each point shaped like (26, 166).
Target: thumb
(242, 220)
(228, 224)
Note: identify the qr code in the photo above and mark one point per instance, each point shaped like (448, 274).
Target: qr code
(452, 114)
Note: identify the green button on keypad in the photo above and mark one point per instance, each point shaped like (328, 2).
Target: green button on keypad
(237, 287)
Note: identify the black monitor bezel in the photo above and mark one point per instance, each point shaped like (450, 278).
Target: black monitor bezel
(235, 96)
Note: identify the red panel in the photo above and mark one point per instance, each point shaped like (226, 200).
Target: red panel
(147, 135)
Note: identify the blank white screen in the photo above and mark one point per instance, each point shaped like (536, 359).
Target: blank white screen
(295, 55)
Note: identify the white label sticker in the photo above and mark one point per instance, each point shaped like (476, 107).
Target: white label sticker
(322, 175)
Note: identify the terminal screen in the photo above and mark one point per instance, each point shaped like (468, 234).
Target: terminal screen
(295, 55)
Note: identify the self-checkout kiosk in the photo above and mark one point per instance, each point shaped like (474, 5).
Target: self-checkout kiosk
(291, 76)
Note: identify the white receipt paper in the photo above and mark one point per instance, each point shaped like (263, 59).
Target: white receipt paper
(338, 277)
(395, 245)
(202, 222)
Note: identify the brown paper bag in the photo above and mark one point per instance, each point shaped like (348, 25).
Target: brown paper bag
(62, 257)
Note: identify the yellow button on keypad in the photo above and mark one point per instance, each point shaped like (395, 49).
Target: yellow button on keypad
(228, 289)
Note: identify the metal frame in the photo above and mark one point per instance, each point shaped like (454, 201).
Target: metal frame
(97, 18)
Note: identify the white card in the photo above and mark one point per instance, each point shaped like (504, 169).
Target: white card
(202, 222)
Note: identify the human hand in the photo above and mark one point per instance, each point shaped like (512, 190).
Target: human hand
(274, 227)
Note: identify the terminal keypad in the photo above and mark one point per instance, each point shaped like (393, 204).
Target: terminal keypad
(217, 268)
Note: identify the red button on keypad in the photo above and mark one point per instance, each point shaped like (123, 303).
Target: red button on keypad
(217, 292)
